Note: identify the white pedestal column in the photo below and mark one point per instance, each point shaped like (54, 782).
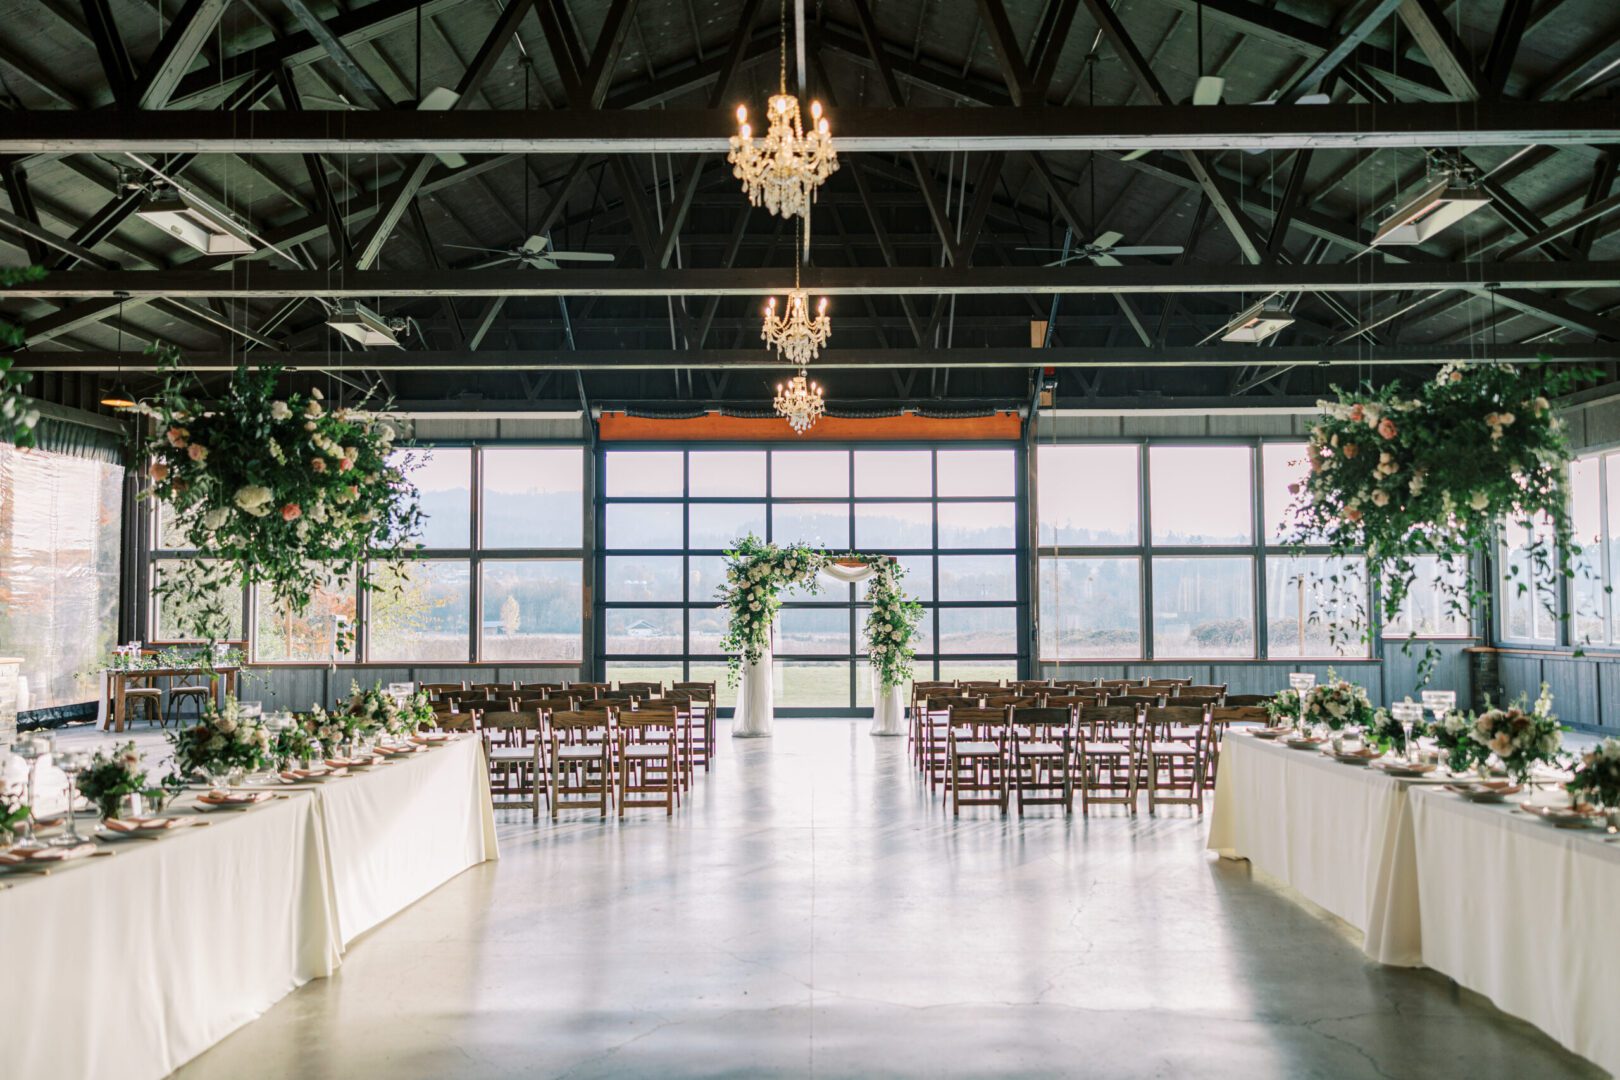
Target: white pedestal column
(756, 701)
(888, 706)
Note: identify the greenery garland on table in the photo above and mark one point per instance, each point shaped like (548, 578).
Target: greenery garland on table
(18, 416)
(268, 489)
(756, 574)
(1396, 477)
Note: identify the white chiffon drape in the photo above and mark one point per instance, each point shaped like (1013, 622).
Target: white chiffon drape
(888, 706)
(756, 699)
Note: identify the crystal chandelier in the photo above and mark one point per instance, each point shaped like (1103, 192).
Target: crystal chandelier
(783, 170)
(799, 402)
(794, 334)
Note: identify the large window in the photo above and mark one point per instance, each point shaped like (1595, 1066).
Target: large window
(61, 519)
(951, 515)
(1185, 551)
(499, 577)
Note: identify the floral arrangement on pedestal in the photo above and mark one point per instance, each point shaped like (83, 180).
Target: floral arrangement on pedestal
(18, 416)
(1453, 733)
(113, 774)
(756, 574)
(891, 625)
(1598, 775)
(264, 486)
(222, 740)
(1520, 737)
(376, 711)
(1339, 703)
(331, 729)
(1395, 476)
(1283, 708)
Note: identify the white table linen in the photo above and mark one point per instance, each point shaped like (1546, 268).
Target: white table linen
(400, 831)
(756, 700)
(171, 943)
(1340, 835)
(1522, 913)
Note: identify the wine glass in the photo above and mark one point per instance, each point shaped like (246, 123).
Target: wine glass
(28, 748)
(1407, 713)
(1440, 702)
(71, 762)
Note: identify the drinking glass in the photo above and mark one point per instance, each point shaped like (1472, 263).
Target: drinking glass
(250, 708)
(132, 806)
(1440, 702)
(1407, 713)
(71, 763)
(28, 749)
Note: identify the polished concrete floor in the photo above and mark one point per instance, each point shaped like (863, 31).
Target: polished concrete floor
(813, 912)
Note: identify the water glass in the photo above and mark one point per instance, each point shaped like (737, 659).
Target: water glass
(71, 763)
(131, 806)
(28, 749)
(1407, 713)
(1302, 681)
(1440, 702)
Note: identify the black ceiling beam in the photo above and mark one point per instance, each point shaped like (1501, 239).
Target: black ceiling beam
(1510, 27)
(1203, 356)
(856, 130)
(358, 80)
(15, 180)
(179, 47)
(1603, 174)
(1439, 42)
(115, 64)
(1362, 275)
(1353, 29)
(1009, 53)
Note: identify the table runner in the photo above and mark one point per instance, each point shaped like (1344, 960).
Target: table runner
(1522, 913)
(1340, 835)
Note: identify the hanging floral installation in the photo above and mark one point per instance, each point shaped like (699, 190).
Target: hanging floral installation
(268, 489)
(1397, 477)
(756, 574)
(18, 416)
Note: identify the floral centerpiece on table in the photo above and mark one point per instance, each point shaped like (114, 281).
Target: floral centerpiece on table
(1387, 731)
(756, 574)
(13, 812)
(1520, 737)
(222, 740)
(113, 774)
(1282, 709)
(1453, 733)
(332, 729)
(1398, 474)
(264, 486)
(1339, 703)
(415, 713)
(1598, 775)
(292, 745)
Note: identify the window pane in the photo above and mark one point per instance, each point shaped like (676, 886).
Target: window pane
(443, 475)
(808, 630)
(281, 636)
(809, 474)
(644, 525)
(978, 670)
(881, 527)
(919, 580)
(1203, 607)
(170, 534)
(823, 525)
(720, 525)
(532, 611)
(172, 615)
(890, 473)
(976, 525)
(725, 695)
(1428, 607)
(976, 472)
(1586, 595)
(920, 669)
(803, 684)
(978, 577)
(642, 578)
(1201, 494)
(532, 496)
(922, 641)
(832, 592)
(1281, 464)
(708, 577)
(706, 627)
(1089, 495)
(658, 671)
(978, 630)
(1529, 599)
(1091, 608)
(638, 631)
(426, 619)
(727, 473)
(1307, 595)
(639, 473)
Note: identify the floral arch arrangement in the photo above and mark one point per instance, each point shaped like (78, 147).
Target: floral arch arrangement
(1396, 478)
(268, 490)
(757, 572)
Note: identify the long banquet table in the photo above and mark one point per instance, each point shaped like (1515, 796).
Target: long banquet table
(138, 961)
(1340, 835)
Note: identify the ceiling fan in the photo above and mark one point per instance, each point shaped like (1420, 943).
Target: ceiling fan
(1102, 251)
(438, 99)
(536, 253)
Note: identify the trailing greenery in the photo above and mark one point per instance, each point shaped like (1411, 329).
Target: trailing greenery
(265, 488)
(756, 574)
(18, 416)
(1397, 477)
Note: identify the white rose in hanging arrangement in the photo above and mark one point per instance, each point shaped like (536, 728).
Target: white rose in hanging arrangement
(237, 477)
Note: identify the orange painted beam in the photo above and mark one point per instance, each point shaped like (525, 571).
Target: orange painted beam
(714, 427)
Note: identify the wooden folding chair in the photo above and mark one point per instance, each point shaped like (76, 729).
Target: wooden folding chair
(1243, 701)
(977, 761)
(539, 687)
(644, 690)
(1177, 741)
(581, 755)
(705, 702)
(1107, 739)
(696, 707)
(1133, 700)
(589, 689)
(936, 733)
(436, 691)
(649, 758)
(1221, 720)
(1043, 757)
(515, 745)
